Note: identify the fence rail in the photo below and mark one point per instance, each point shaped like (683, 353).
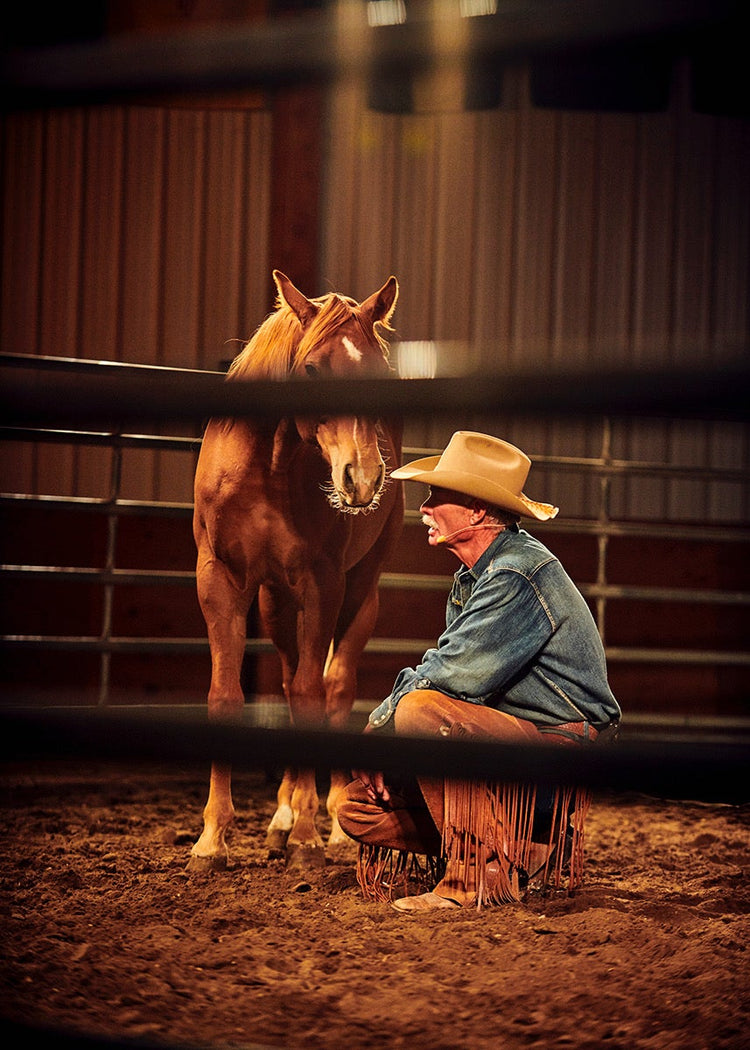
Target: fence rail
(108, 576)
(111, 395)
(708, 770)
(334, 44)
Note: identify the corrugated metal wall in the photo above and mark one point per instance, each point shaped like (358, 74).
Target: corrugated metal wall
(531, 237)
(520, 235)
(135, 234)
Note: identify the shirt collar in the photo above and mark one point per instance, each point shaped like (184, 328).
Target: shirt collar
(486, 557)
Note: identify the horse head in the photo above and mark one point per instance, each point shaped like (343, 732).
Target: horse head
(339, 339)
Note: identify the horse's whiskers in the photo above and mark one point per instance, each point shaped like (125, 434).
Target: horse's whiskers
(334, 498)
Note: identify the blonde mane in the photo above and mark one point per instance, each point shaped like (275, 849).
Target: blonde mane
(279, 347)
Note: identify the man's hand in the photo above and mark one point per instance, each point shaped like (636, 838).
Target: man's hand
(374, 784)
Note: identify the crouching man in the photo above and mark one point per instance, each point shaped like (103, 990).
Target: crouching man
(520, 661)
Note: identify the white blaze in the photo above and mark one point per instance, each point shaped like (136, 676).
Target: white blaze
(352, 351)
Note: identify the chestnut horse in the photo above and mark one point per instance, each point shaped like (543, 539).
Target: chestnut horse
(300, 512)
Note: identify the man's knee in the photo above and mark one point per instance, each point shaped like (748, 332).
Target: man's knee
(420, 712)
(354, 803)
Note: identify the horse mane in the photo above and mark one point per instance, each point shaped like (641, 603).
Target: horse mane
(279, 347)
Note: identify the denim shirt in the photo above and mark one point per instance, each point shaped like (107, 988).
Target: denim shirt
(519, 637)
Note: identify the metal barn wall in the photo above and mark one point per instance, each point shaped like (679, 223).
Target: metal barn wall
(520, 236)
(135, 234)
(525, 236)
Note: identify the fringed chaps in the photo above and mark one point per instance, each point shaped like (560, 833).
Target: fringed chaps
(384, 874)
(489, 840)
(488, 844)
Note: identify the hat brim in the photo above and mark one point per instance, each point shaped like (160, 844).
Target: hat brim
(473, 485)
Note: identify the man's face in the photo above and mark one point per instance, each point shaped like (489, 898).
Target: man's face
(444, 512)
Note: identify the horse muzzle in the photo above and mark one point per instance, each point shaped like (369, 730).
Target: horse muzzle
(359, 487)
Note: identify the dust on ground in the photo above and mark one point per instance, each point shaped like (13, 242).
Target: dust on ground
(103, 933)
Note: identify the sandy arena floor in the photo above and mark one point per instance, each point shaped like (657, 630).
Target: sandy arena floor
(103, 933)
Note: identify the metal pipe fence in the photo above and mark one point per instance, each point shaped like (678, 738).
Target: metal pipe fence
(334, 44)
(602, 527)
(114, 396)
(708, 769)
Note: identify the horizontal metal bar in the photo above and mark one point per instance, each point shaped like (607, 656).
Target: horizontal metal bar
(83, 644)
(333, 44)
(616, 467)
(708, 726)
(713, 657)
(699, 532)
(387, 646)
(578, 464)
(167, 646)
(85, 504)
(677, 769)
(82, 574)
(100, 439)
(690, 596)
(270, 711)
(103, 400)
(388, 581)
(273, 712)
(84, 365)
(421, 582)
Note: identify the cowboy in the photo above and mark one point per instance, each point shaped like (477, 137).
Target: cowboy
(520, 660)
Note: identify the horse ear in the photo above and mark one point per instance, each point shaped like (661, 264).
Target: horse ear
(381, 304)
(294, 299)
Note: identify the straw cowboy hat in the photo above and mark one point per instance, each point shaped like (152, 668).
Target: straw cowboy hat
(481, 466)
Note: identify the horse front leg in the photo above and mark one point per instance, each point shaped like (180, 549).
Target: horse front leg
(356, 624)
(305, 850)
(301, 630)
(280, 618)
(225, 612)
(292, 832)
(277, 832)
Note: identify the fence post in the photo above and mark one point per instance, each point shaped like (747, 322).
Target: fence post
(603, 535)
(105, 660)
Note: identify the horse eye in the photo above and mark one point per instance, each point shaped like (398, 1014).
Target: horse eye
(312, 371)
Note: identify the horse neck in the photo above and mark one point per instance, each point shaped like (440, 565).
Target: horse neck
(286, 442)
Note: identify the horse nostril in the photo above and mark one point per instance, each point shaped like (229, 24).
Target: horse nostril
(348, 479)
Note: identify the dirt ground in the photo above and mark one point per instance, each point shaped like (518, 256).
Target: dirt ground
(103, 933)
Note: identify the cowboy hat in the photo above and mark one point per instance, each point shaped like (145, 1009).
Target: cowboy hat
(481, 466)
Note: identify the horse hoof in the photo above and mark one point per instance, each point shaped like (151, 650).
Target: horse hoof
(305, 858)
(276, 844)
(198, 865)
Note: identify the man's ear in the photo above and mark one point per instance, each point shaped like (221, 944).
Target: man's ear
(478, 512)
